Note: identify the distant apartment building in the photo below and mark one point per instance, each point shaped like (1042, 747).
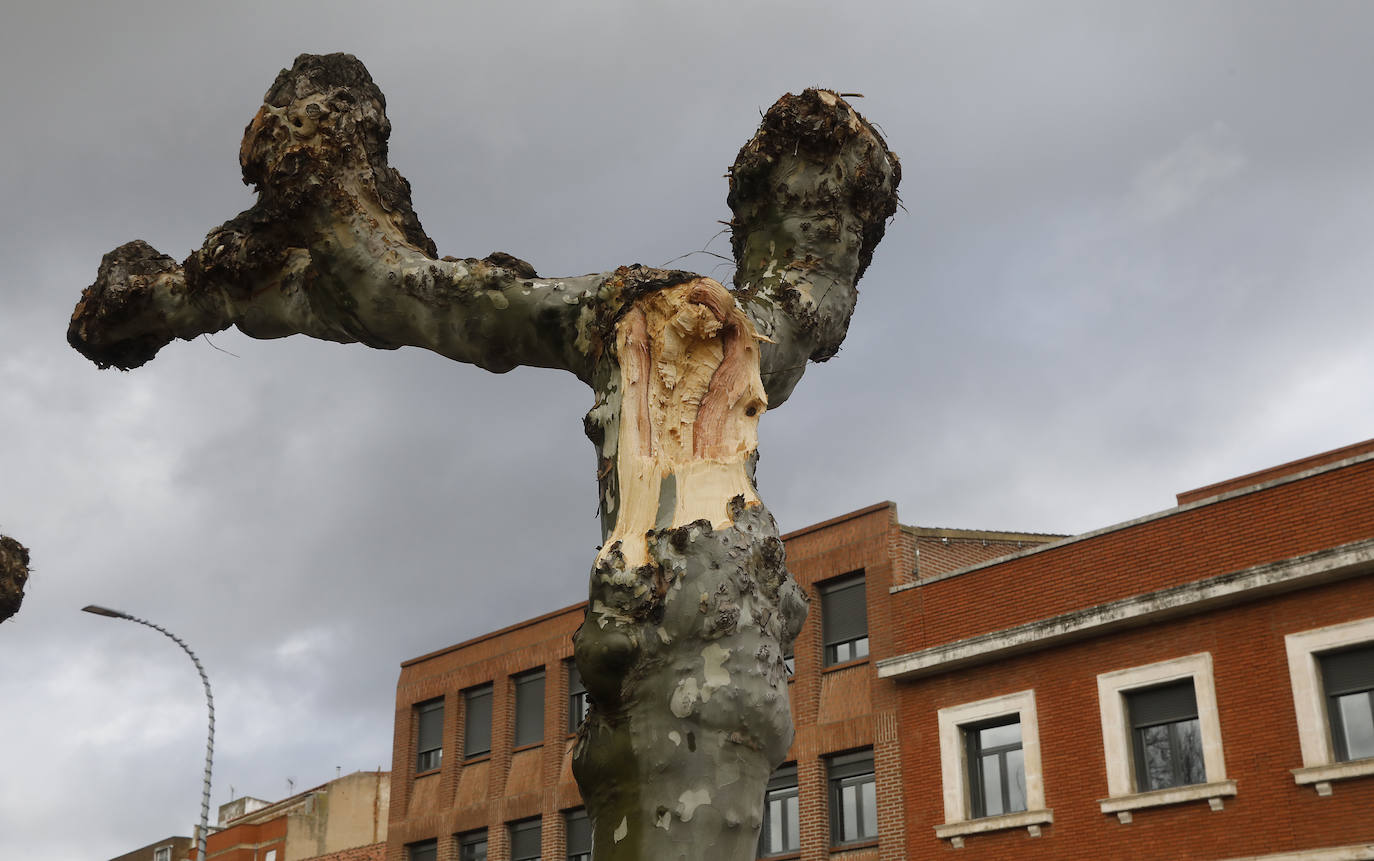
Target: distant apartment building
(1194, 683)
(166, 849)
(342, 820)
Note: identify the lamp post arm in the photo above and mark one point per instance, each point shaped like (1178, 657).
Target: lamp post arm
(210, 738)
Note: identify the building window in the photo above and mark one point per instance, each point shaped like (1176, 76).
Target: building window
(781, 832)
(270, 855)
(1165, 736)
(429, 745)
(996, 768)
(477, 722)
(990, 767)
(425, 850)
(472, 846)
(1332, 673)
(853, 798)
(1161, 736)
(162, 853)
(844, 619)
(1348, 679)
(529, 708)
(579, 701)
(579, 831)
(525, 837)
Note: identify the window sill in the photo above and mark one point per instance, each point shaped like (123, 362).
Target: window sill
(1212, 793)
(854, 847)
(524, 747)
(782, 856)
(1320, 777)
(1031, 820)
(481, 757)
(427, 773)
(844, 666)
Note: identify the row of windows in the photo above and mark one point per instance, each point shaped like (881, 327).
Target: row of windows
(844, 634)
(525, 836)
(853, 800)
(529, 717)
(1161, 730)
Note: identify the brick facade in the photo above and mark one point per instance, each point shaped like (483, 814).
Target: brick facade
(960, 616)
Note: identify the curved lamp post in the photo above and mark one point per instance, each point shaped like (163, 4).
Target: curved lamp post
(209, 702)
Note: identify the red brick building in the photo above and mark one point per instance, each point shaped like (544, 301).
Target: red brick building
(483, 742)
(1195, 683)
(1162, 688)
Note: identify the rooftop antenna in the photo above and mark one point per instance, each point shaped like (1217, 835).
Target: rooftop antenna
(291, 786)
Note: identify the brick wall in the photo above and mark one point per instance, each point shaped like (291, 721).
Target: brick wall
(1270, 812)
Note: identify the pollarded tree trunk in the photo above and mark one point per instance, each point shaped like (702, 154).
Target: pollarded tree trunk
(691, 606)
(14, 573)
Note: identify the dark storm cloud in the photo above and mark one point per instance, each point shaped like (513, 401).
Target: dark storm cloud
(1133, 260)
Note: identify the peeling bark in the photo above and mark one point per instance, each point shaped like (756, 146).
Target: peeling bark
(691, 605)
(14, 573)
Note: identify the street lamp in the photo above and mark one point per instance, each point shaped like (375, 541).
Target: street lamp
(209, 703)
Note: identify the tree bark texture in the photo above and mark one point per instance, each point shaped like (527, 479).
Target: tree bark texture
(691, 606)
(14, 573)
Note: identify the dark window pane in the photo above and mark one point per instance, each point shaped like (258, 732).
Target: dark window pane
(853, 798)
(1348, 679)
(844, 620)
(997, 769)
(472, 846)
(524, 840)
(424, 851)
(1167, 736)
(477, 721)
(529, 708)
(430, 744)
(781, 830)
(578, 701)
(579, 831)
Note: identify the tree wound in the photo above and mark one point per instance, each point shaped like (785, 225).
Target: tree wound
(692, 399)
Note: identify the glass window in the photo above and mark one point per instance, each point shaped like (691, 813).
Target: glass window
(844, 620)
(579, 831)
(1166, 735)
(162, 853)
(524, 840)
(781, 830)
(472, 846)
(579, 702)
(1348, 682)
(996, 768)
(425, 850)
(429, 748)
(477, 722)
(853, 798)
(529, 708)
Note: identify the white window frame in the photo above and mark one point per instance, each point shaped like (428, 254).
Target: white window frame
(162, 853)
(954, 767)
(1319, 765)
(1112, 687)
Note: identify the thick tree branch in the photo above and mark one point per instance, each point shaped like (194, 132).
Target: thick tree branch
(811, 195)
(14, 573)
(334, 250)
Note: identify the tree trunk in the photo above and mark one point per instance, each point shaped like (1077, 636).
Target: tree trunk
(14, 573)
(691, 606)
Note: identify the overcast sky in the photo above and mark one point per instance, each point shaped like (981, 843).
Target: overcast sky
(1135, 258)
